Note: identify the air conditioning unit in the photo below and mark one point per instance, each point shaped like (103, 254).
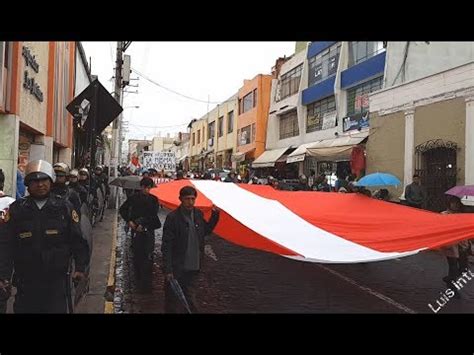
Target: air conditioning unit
(210, 142)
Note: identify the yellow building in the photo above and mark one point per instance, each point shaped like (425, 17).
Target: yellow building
(198, 143)
(222, 133)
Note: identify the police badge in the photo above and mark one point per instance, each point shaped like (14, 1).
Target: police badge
(75, 216)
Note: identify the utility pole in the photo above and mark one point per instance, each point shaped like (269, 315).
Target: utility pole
(122, 79)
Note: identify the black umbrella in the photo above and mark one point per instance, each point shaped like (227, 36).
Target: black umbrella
(131, 182)
(175, 286)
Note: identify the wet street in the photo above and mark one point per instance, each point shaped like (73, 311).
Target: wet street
(240, 280)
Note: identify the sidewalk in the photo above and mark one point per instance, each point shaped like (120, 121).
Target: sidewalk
(104, 234)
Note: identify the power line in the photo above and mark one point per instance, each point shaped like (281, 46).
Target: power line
(178, 93)
(178, 125)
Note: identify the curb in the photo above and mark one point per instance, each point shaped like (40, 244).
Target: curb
(110, 288)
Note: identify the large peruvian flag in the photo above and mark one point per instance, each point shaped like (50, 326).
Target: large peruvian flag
(320, 226)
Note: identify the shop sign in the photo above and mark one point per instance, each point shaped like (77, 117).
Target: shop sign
(29, 82)
(356, 121)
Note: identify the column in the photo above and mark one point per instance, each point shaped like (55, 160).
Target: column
(409, 148)
(9, 135)
(469, 157)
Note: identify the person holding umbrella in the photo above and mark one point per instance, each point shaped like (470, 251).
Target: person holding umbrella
(140, 212)
(457, 255)
(183, 248)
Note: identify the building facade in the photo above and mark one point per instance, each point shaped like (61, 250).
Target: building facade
(37, 81)
(253, 106)
(423, 120)
(319, 110)
(198, 144)
(222, 133)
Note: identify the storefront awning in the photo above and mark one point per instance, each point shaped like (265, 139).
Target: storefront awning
(268, 158)
(298, 154)
(241, 156)
(334, 149)
(238, 157)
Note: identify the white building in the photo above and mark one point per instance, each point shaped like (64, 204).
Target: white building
(319, 105)
(423, 119)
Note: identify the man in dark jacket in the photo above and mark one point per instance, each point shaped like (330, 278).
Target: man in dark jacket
(415, 194)
(183, 247)
(302, 184)
(140, 211)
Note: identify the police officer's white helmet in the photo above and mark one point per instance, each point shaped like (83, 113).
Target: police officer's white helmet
(83, 171)
(61, 168)
(38, 170)
(74, 173)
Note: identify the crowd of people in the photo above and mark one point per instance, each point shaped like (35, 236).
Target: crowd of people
(57, 198)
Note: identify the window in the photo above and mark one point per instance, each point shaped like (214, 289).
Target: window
(324, 65)
(247, 102)
(316, 111)
(194, 138)
(230, 122)
(3, 73)
(199, 136)
(3, 58)
(360, 51)
(290, 82)
(253, 132)
(358, 97)
(211, 130)
(244, 135)
(289, 125)
(220, 126)
(255, 98)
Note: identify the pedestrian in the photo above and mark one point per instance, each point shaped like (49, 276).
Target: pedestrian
(5, 202)
(341, 182)
(43, 238)
(415, 194)
(140, 212)
(302, 184)
(182, 247)
(457, 255)
(323, 184)
(20, 185)
(311, 178)
(231, 177)
(179, 175)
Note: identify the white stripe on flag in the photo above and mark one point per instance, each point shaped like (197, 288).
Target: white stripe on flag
(275, 222)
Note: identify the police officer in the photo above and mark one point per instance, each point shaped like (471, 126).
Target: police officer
(84, 178)
(78, 188)
(62, 189)
(43, 237)
(140, 211)
(101, 179)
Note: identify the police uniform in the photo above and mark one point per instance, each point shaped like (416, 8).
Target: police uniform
(39, 246)
(80, 190)
(67, 193)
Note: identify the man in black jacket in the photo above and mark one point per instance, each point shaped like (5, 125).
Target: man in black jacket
(183, 247)
(140, 212)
